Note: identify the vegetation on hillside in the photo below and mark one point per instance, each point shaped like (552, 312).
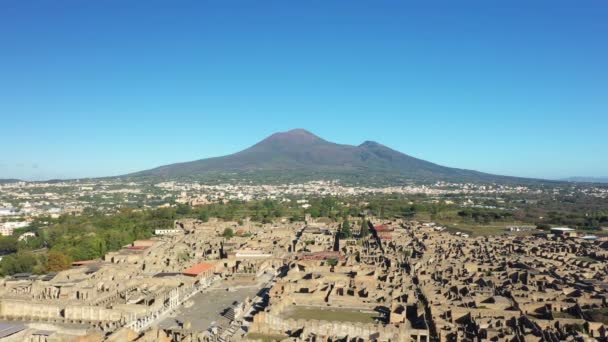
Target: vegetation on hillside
(300, 156)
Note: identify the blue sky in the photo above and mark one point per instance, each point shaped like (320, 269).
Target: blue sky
(98, 88)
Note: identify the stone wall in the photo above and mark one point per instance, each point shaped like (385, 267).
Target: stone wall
(11, 308)
(267, 323)
(93, 313)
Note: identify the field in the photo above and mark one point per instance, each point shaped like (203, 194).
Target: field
(499, 228)
(586, 258)
(265, 337)
(598, 315)
(558, 314)
(335, 315)
(484, 230)
(453, 223)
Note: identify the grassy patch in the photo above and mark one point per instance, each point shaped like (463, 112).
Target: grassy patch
(332, 315)
(265, 337)
(586, 258)
(484, 230)
(598, 315)
(562, 314)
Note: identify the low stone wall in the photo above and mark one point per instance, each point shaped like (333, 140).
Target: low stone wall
(11, 308)
(318, 300)
(93, 313)
(483, 313)
(18, 309)
(266, 323)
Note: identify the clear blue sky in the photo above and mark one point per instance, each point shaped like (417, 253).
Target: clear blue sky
(98, 88)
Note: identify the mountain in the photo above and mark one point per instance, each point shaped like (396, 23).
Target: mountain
(303, 155)
(586, 179)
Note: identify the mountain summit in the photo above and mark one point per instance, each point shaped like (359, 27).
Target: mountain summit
(299, 152)
(298, 135)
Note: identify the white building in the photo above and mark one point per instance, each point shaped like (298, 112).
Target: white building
(167, 231)
(7, 228)
(563, 231)
(8, 211)
(252, 253)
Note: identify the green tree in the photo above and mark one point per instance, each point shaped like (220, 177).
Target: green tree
(22, 262)
(327, 206)
(115, 239)
(346, 231)
(203, 216)
(364, 228)
(228, 233)
(87, 248)
(183, 209)
(409, 212)
(543, 226)
(8, 244)
(57, 261)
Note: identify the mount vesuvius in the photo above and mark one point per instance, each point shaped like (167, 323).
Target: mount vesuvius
(301, 154)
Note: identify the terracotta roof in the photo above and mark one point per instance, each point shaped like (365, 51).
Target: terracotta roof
(198, 269)
(383, 227)
(143, 242)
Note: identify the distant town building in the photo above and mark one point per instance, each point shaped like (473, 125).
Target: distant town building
(520, 228)
(562, 231)
(26, 236)
(7, 228)
(8, 211)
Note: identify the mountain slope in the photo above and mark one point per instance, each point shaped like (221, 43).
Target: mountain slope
(300, 152)
(586, 179)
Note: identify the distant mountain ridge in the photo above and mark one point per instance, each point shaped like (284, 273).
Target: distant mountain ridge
(299, 152)
(586, 179)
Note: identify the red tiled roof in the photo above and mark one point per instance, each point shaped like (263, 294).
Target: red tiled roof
(198, 269)
(143, 242)
(383, 228)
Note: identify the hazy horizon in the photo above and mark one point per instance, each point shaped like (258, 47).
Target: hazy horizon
(103, 89)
